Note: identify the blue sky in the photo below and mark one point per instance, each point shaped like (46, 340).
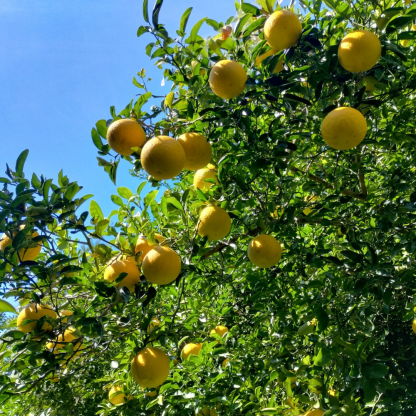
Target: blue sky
(64, 63)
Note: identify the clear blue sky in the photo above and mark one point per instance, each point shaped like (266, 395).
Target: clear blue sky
(64, 63)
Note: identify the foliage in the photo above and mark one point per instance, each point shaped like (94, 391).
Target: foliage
(335, 312)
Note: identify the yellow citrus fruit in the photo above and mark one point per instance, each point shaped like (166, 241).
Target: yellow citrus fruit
(282, 29)
(264, 251)
(359, 51)
(163, 157)
(191, 349)
(119, 398)
(150, 367)
(197, 150)
(227, 79)
(332, 392)
(207, 412)
(66, 313)
(344, 128)
(34, 311)
(63, 339)
(151, 393)
(315, 412)
(143, 245)
(220, 330)
(124, 134)
(310, 200)
(261, 58)
(413, 26)
(24, 254)
(214, 222)
(161, 265)
(153, 324)
(225, 362)
(404, 42)
(123, 265)
(414, 326)
(201, 175)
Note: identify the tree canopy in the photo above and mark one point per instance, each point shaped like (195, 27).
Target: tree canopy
(327, 327)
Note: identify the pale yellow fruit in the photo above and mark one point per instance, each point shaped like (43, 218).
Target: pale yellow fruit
(282, 29)
(151, 393)
(404, 43)
(225, 362)
(315, 412)
(24, 254)
(369, 83)
(359, 51)
(124, 134)
(197, 150)
(123, 265)
(150, 367)
(332, 392)
(414, 326)
(261, 58)
(344, 128)
(214, 222)
(34, 311)
(201, 175)
(153, 324)
(143, 245)
(119, 398)
(66, 313)
(163, 157)
(63, 339)
(191, 349)
(220, 330)
(413, 26)
(161, 265)
(264, 251)
(227, 79)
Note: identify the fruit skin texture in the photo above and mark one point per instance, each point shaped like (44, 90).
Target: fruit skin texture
(197, 150)
(359, 51)
(282, 29)
(315, 412)
(261, 58)
(220, 330)
(143, 246)
(227, 79)
(119, 399)
(414, 326)
(214, 222)
(161, 265)
(124, 134)
(129, 266)
(34, 311)
(191, 349)
(62, 340)
(150, 367)
(344, 128)
(163, 157)
(264, 251)
(66, 313)
(25, 254)
(201, 175)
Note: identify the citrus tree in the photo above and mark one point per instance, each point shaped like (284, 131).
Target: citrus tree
(270, 267)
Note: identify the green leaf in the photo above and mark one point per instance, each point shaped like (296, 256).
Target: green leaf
(172, 200)
(169, 99)
(164, 206)
(155, 13)
(254, 26)
(184, 20)
(95, 211)
(117, 200)
(7, 307)
(240, 24)
(101, 126)
(322, 317)
(293, 97)
(249, 8)
(13, 335)
(322, 357)
(146, 11)
(20, 162)
(195, 30)
(71, 191)
(143, 99)
(140, 188)
(398, 23)
(96, 139)
(124, 192)
(411, 35)
(150, 197)
(374, 370)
